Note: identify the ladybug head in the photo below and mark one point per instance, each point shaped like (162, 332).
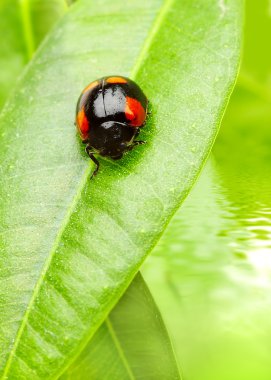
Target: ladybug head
(112, 138)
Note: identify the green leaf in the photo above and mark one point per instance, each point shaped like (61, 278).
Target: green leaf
(130, 344)
(76, 244)
(143, 325)
(24, 23)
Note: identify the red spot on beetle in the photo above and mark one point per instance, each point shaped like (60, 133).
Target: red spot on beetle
(90, 86)
(116, 80)
(134, 112)
(82, 124)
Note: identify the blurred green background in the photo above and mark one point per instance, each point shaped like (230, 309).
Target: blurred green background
(23, 26)
(211, 271)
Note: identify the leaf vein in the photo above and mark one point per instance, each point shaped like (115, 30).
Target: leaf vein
(119, 348)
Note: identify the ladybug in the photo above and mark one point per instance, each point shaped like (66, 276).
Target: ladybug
(109, 114)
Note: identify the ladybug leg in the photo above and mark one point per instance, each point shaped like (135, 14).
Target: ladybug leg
(135, 143)
(91, 156)
(139, 142)
(137, 132)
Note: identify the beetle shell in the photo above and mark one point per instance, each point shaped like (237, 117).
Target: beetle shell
(109, 114)
(112, 98)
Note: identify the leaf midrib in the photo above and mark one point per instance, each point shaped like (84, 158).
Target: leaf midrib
(119, 348)
(89, 170)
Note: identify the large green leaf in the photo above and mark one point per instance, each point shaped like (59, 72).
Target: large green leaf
(24, 23)
(130, 344)
(76, 244)
(109, 354)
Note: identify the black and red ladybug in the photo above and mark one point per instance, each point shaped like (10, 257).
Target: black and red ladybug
(109, 114)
